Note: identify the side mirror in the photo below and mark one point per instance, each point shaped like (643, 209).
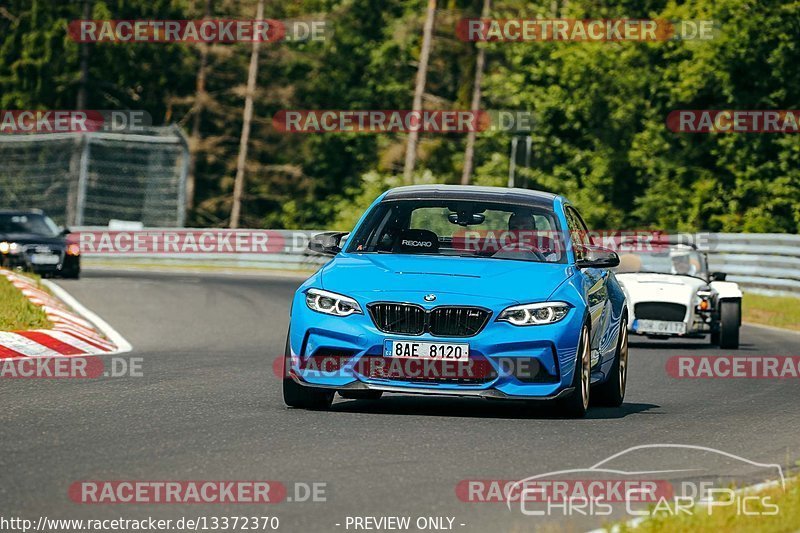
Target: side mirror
(327, 243)
(65, 231)
(719, 276)
(597, 257)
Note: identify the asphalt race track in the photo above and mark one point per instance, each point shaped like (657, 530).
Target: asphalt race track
(208, 406)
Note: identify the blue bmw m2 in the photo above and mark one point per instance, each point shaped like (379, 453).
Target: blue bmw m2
(461, 291)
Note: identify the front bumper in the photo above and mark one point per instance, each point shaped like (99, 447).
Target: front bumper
(698, 322)
(489, 394)
(511, 362)
(698, 325)
(67, 264)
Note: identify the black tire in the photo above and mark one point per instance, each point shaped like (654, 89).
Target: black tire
(576, 404)
(300, 396)
(612, 392)
(730, 319)
(361, 394)
(75, 274)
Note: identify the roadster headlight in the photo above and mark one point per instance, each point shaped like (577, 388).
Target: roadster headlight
(535, 314)
(331, 303)
(9, 248)
(702, 300)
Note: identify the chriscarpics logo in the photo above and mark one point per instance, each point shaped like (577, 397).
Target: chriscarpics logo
(642, 481)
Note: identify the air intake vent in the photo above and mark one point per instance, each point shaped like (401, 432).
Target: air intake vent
(444, 321)
(457, 321)
(406, 319)
(660, 311)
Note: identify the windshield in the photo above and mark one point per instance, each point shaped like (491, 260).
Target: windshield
(461, 228)
(680, 260)
(28, 223)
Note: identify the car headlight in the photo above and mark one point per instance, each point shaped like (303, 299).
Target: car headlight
(535, 314)
(9, 248)
(702, 300)
(331, 303)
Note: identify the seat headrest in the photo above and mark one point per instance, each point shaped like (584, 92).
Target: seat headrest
(417, 241)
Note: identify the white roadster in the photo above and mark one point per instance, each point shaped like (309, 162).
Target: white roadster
(671, 293)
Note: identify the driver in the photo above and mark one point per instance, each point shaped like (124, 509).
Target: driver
(521, 222)
(523, 234)
(682, 263)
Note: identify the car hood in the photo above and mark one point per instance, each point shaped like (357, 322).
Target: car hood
(31, 238)
(399, 277)
(645, 287)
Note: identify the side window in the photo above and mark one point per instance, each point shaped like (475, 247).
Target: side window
(587, 237)
(578, 232)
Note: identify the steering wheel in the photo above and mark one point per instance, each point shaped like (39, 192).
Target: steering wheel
(519, 250)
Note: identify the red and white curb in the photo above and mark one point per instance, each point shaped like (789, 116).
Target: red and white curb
(76, 331)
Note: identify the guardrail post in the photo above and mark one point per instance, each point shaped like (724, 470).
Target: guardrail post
(183, 176)
(83, 175)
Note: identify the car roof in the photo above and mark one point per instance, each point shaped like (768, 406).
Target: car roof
(21, 212)
(471, 192)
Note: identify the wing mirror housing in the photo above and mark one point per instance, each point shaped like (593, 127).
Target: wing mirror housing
(597, 257)
(719, 276)
(328, 243)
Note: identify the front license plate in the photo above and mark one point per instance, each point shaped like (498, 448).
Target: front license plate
(44, 259)
(426, 350)
(660, 326)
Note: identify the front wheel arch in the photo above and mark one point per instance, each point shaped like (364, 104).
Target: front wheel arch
(611, 392)
(574, 405)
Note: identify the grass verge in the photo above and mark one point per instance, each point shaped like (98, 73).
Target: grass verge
(777, 311)
(727, 518)
(16, 312)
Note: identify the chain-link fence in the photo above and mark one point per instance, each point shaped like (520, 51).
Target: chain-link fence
(91, 178)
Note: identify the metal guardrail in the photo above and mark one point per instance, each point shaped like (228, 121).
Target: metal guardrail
(87, 178)
(759, 262)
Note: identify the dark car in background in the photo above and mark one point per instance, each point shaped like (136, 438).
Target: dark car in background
(31, 241)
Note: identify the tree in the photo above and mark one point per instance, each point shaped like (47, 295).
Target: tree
(419, 89)
(469, 151)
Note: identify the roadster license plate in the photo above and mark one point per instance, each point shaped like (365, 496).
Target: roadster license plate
(659, 327)
(426, 350)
